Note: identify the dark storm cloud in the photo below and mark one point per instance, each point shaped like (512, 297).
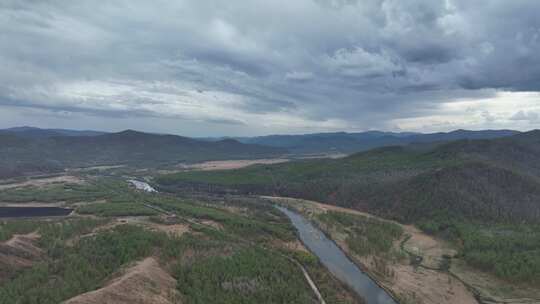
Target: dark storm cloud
(363, 64)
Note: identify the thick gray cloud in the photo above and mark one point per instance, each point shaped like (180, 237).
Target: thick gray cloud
(253, 67)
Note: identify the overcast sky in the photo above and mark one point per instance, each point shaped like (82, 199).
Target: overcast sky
(211, 68)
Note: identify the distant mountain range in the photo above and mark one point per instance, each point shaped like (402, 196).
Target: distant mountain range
(315, 143)
(28, 150)
(34, 151)
(32, 132)
(342, 142)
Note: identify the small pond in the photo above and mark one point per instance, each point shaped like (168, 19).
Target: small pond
(33, 211)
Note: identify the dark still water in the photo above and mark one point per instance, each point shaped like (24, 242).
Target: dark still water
(336, 261)
(33, 211)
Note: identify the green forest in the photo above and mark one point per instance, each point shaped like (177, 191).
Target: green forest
(453, 190)
(365, 236)
(511, 252)
(248, 276)
(240, 261)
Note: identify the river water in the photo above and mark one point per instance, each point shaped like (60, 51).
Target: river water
(336, 261)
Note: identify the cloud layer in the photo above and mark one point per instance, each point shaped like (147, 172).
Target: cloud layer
(256, 67)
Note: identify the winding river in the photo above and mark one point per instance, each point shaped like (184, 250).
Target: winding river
(337, 262)
(329, 254)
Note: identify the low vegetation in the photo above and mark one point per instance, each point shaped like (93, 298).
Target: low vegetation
(509, 251)
(231, 253)
(117, 209)
(93, 190)
(365, 236)
(79, 268)
(10, 228)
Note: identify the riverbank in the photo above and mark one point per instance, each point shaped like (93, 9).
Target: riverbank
(408, 283)
(337, 261)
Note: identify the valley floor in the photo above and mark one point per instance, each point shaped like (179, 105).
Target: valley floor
(427, 280)
(115, 249)
(213, 249)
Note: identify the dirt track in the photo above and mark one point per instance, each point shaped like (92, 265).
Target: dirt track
(144, 283)
(18, 253)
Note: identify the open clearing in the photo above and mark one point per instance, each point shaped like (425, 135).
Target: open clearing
(428, 247)
(231, 164)
(494, 290)
(171, 229)
(98, 168)
(41, 182)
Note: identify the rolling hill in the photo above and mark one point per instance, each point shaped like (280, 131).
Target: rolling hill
(481, 195)
(42, 154)
(491, 180)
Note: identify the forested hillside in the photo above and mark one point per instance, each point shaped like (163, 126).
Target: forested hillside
(43, 154)
(494, 180)
(483, 195)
